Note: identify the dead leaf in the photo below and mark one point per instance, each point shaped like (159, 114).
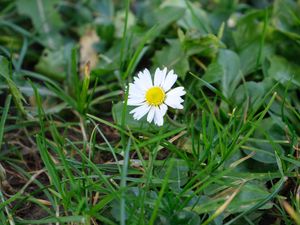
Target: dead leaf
(87, 50)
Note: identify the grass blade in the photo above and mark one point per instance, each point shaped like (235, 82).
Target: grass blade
(3, 118)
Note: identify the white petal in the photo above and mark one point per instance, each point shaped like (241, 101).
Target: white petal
(140, 84)
(145, 76)
(134, 90)
(135, 101)
(133, 96)
(173, 98)
(140, 111)
(179, 106)
(179, 91)
(138, 95)
(158, 117)
(163, 109)
(174, 102)
(151, 114)
(169, 81)
(159, 77)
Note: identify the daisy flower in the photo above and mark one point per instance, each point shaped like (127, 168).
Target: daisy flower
(154, 96)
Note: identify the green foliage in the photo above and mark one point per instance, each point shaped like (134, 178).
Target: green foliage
(6, 74)
(172, 56)
(284, 71)
(3, 118)
(45, 18)
(71, 152)
(52, 64)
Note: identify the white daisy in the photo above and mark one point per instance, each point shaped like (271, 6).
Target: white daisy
(154, 97)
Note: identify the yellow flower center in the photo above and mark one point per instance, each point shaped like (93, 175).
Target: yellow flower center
(155, 96)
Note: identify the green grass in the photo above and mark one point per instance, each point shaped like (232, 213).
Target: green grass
(70, 153)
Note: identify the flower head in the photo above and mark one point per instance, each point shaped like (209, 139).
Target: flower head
(154, 96)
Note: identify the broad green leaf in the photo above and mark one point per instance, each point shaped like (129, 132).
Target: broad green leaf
(205, 45)
(45, 18)
(213, 73)
(277, 112)
(132, 196)
(249, 28)
(252, 56)
(4, 66)
(283, 70)
(249, 195)
(53, 64)
(195, 19)
(163, 17)
(265, 151)
(231, 76)
(286, 18)
(224, 11)
(172, 56)
(104, 7)
(178, 176)
(253, 92)
(181, 217)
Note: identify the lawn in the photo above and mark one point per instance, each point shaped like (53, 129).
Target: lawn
(148, 112)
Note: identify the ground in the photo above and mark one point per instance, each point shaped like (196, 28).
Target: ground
(71, 151)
